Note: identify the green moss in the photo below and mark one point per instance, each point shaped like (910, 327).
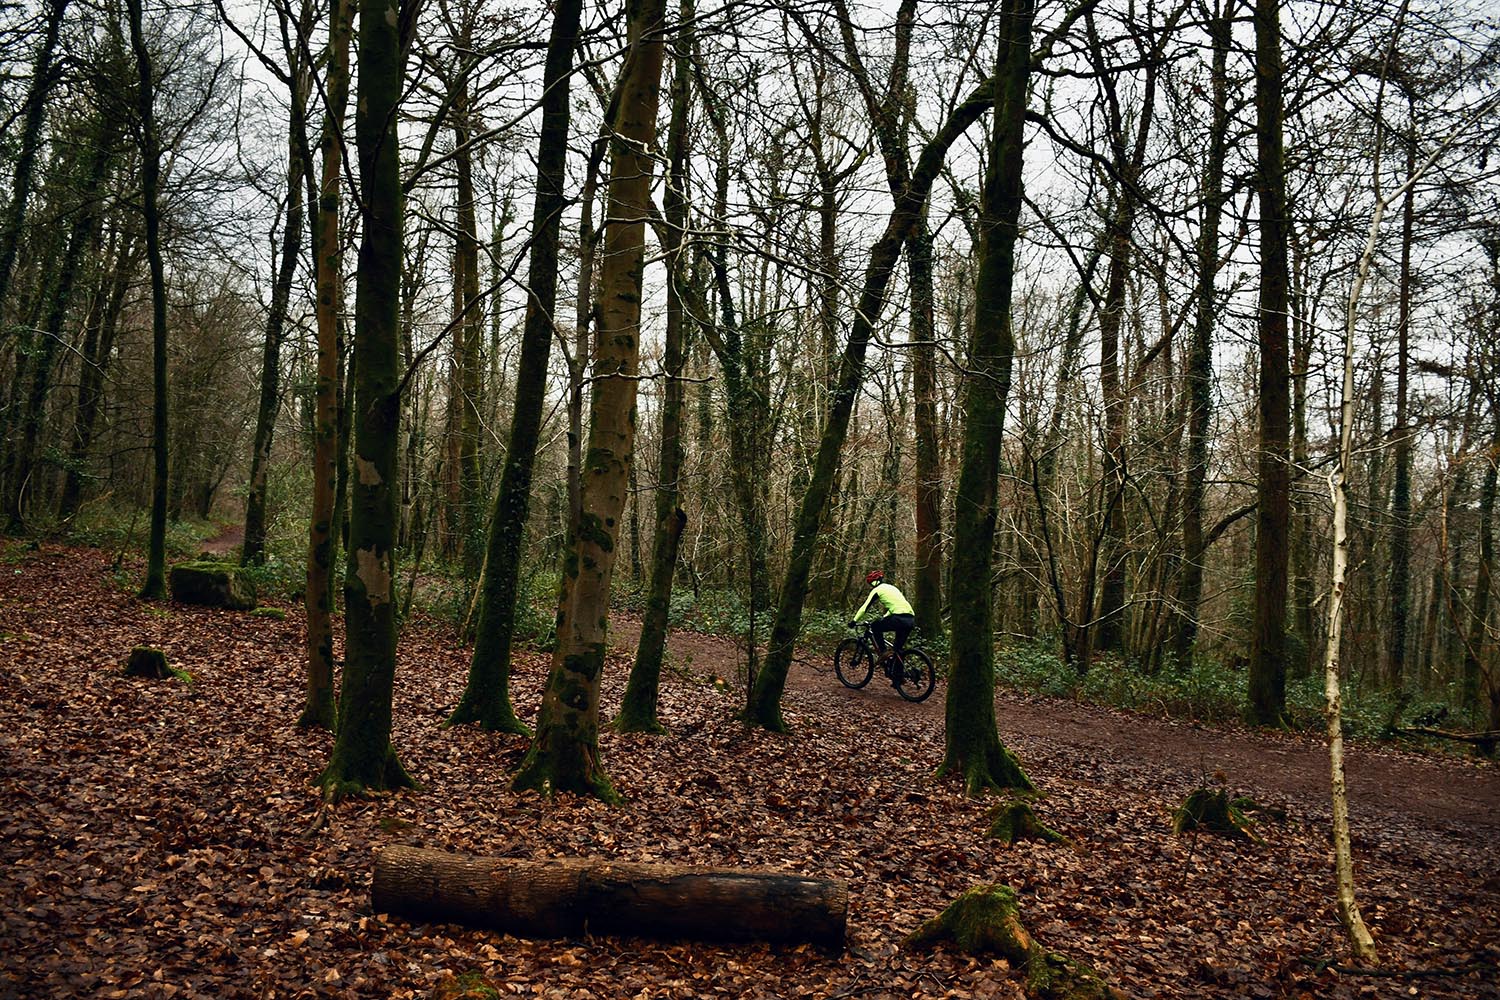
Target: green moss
(1015, 821)
(1210, 809)
(984, 920)
(470, 985)
(275, 614)
(987, 920)
(146, 661)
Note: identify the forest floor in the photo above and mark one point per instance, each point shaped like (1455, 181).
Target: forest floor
(158, 839)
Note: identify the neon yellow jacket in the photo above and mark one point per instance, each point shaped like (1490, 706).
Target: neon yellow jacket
(894, 602)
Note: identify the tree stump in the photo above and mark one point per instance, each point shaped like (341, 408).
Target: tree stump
(987, 920)
(1015, 821)
(468, 986)
(152, 663)
(1211, 810)
(569, 898)
(212, 585)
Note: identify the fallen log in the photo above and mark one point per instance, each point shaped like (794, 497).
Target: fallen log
(1485, 742)
(573, 897)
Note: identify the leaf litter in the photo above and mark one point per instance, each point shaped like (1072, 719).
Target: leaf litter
(158, 839)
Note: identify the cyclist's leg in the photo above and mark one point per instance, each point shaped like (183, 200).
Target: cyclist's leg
(903, 626)
(878, 628)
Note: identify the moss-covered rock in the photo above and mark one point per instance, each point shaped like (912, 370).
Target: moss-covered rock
(1210, 809)
(151, 663)
(275, 614)
(1016, 821)
(211, 584)
(987, 920)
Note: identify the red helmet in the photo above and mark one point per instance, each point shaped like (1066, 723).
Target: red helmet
(874, 576)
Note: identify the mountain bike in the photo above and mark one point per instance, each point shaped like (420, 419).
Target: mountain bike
(855, 659)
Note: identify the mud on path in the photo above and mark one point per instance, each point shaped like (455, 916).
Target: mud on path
(1398, 798)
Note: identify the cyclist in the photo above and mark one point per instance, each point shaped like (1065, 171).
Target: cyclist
(898, 617)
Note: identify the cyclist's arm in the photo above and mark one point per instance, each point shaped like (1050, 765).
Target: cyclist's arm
(861, 612)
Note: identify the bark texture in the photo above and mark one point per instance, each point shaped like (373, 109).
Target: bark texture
(363, 759)
(973, 753)
(564, 756)
(1268, 656)
(318, 712)
(570, 898)
(155, 586)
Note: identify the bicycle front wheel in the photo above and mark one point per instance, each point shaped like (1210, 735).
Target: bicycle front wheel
(917, 676)
(853, 663)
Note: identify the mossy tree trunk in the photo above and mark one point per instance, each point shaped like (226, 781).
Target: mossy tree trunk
(95, 167)
(1199, 373)
(253, 551)
(486, 697)
(43, 77)
(318, 711)
(155, 586)
(638, 708)
(928, 594)
(363, 758)
(565, 754)
(100, 328)
(1268, 647)
(973, 752)
(764, 708)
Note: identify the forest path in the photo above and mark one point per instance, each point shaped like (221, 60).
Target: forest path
(1451, 797)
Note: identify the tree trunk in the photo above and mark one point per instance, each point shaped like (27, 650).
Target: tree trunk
(43, 76)
(638, 707)
(565, 754)
(574, 897)
(1348, 908)
(98, 346)
(486, 697)
(1400, 581)
(254, 549)
(929, 500)
(1199, 373)
(155, 586)
(973, 752)
(1477, 643)
(1267, 674)
(363, 759)
(318, 711)
(765, 700)
(81, 234)
(468, 338)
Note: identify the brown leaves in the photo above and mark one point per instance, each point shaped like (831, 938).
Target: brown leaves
(154, 837)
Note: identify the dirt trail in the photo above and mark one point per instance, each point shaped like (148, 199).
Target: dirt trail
(1449, 796)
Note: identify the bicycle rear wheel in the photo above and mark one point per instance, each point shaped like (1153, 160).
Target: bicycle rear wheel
(917, 676)
(853, 663)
